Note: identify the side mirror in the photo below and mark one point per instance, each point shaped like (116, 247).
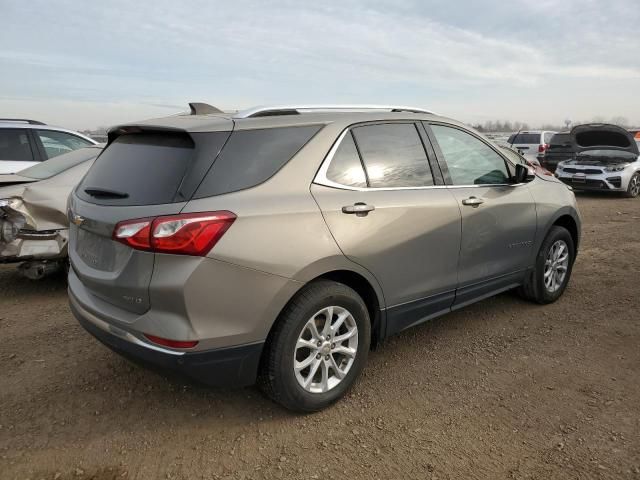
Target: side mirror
(523, 174)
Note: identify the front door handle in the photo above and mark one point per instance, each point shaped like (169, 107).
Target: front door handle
(359, 209)
(473, 201)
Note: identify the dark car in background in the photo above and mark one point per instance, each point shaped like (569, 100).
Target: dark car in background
(560, 149)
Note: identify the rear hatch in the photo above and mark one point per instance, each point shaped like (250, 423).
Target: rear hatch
(144, 172)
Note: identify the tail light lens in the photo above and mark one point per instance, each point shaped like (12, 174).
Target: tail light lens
(186, 234)
(172, 343)
(543, 147)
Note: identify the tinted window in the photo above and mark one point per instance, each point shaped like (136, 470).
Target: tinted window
(470, 161)
(393, 155)
(252, 156)
(59, 164)
(525, 138)
(14, 145)
(560, 140)
(57, 143)
(345, 167)
(146, 167)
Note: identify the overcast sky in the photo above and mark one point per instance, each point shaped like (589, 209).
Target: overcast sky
(82, 64)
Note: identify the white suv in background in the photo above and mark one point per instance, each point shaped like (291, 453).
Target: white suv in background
(24, 143)
(531, 143)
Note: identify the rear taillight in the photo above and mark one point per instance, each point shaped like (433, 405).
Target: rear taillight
(185, 234)
(172, 343)
(543, 147)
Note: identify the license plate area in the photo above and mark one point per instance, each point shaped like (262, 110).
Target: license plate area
(97, 252)
(579, 178)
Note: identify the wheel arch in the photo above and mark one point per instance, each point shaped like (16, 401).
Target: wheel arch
(342, 270)
(567, 221)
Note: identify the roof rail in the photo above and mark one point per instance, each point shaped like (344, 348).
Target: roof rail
(203, 108)
(22, 120)
(267, 111)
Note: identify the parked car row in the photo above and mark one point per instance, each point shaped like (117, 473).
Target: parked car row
(276, 245)
(598, 156)
(24, 143)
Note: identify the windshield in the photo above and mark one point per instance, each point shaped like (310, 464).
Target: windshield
(59, 164)
(609, 155)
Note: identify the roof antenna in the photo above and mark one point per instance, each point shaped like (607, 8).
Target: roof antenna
(203, 109)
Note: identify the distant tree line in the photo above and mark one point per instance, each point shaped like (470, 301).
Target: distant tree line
(508, 126)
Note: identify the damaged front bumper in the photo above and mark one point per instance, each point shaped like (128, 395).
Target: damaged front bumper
(33, 245)
(39, 252)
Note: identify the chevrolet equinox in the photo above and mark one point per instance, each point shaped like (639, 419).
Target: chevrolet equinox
(277, 245)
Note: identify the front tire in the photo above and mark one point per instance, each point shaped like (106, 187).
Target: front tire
(552, 270)
(633, 189)
(317, 348)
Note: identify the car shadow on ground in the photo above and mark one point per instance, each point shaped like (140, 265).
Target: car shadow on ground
(16, 285)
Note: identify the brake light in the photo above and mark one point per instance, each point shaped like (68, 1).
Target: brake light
(172, 343)
(543, 147)
(184, 234)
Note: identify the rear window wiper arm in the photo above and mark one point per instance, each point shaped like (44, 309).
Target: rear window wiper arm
(104, 193)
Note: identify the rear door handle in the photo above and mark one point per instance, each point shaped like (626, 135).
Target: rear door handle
(473, 201)
(359, 209)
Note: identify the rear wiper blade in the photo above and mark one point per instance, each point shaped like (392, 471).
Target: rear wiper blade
(104, 193)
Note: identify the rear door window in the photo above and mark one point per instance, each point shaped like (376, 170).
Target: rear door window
(346, 168)
(58, 143)
(469, 160)
(251, 157)
(393, 155)
(15, 145)
(139, 169)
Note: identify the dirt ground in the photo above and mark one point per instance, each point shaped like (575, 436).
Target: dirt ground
(502, 389)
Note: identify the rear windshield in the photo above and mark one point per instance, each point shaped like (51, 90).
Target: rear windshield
(560, 139)
(139, 169)
(527, 138)
(59, 164)
(252, 156)
(560, 142)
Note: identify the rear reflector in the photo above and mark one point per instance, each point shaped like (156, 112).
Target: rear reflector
(185, 234)
(172, 343)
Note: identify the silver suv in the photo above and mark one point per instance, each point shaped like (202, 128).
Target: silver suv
(25, 143)
(279, 244)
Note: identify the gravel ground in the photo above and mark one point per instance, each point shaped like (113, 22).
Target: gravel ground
(501, 389)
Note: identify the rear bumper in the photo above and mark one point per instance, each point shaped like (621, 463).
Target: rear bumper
(222, 367)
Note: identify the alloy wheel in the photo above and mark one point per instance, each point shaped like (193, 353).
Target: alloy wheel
(326, 349)
(556, 265)
(634, 187)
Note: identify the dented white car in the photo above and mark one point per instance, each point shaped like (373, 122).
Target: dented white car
(33, 221)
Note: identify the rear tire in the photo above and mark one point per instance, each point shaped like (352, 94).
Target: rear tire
(551, 273)
(308, 333)
(633, 189)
